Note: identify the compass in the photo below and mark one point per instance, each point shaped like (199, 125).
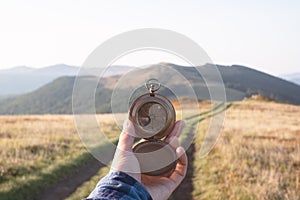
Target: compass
(153, 116)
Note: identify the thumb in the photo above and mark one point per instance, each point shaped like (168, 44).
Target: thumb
(126, 138)
(124, 159)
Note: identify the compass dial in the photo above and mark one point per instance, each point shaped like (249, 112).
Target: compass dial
(152, 117)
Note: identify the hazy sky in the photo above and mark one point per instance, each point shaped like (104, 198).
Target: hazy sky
(260, 34)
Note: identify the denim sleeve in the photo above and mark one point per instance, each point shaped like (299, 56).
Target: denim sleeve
(119, 185)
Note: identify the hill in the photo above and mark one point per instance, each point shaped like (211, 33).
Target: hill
(255, 82)
(240, 82)
(22, 79)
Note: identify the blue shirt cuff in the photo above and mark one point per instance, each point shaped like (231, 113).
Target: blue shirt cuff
(119, 185)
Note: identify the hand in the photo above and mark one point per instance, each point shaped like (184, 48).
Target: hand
(159, 187)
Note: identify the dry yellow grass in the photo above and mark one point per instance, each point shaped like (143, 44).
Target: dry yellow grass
(257, 155)
(30, 143)
(33, 146)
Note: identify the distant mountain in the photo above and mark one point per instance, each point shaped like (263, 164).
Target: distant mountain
(240, 82)
(22, 79)
(19, 69)
(295, 78)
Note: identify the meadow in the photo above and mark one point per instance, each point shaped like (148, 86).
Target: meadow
(39, 150)
(257, 155)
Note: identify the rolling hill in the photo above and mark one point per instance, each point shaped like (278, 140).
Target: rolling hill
(240, 82)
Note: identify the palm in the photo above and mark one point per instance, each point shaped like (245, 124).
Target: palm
(158, 187)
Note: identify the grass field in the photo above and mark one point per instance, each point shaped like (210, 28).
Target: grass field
(257, 155)
(37, 151)
(32, 147)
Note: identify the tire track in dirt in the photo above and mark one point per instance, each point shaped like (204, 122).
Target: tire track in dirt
(185, 189)
(69, 184)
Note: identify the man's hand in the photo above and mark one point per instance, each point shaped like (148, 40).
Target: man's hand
(159, 187)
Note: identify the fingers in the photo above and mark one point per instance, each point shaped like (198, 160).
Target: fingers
(172, 138)
(180, 171)
(174, 142)
(176, 131)
(126, 138)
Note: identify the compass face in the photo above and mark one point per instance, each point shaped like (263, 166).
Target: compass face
(152, 117)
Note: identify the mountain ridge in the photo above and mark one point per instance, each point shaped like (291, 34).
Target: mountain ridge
(240, 82)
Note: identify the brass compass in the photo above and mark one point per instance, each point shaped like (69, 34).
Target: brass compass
(153, 116)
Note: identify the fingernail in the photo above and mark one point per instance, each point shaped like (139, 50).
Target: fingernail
(180, 150)
(125, 124)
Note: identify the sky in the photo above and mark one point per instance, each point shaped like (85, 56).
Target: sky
(259, 34)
